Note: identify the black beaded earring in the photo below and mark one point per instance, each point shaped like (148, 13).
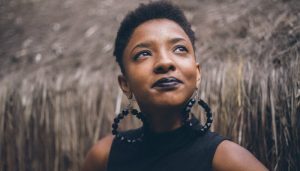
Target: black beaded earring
(121, 116)
(187, 110)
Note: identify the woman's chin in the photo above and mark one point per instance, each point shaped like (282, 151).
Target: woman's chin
(170, 102)
(166, 100)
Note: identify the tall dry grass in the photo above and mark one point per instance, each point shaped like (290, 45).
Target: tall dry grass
(258, 107)
(50, 124)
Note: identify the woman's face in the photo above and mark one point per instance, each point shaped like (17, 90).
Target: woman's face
(160, 67)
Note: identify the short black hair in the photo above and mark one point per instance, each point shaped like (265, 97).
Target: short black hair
(145, 12)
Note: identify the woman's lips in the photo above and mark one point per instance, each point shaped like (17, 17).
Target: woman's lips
(167, 83)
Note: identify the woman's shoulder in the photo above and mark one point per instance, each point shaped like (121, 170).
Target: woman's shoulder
(231, 156)
(97, 156)
(209, 141)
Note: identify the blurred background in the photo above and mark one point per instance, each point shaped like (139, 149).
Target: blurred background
(59, 92)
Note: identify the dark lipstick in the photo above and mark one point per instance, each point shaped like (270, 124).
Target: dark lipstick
(167, 83)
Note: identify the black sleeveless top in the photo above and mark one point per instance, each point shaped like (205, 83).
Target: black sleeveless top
(180, 150)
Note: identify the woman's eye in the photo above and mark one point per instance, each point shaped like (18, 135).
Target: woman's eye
(141, 55)
(180, 49)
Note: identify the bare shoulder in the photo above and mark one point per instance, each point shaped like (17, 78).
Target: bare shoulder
(233, 157)
(97, 156)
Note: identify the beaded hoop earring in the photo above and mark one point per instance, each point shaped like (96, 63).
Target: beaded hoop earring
(121, 116)
(205, 106)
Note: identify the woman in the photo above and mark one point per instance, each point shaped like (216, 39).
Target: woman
(155, 51)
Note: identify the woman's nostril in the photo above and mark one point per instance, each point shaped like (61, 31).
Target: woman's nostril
(158, 69)
(172, 67)
(164, 69)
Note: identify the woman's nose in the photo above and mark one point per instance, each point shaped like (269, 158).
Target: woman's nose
(164, 64)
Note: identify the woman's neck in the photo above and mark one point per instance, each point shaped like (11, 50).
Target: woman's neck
(163, 120)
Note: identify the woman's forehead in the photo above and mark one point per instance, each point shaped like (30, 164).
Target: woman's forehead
(157, 29)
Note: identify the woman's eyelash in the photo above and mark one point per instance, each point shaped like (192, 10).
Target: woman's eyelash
(142, 53)
(181, 48)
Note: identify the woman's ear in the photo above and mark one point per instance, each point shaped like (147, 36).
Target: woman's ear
(198, 75)
(124, 85)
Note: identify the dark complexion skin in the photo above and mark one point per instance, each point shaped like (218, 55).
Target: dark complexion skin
(160, 71)
(162, 74)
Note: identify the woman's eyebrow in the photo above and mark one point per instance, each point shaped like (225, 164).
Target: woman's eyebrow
(141, 45)
(148, 44)
(175, 40)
